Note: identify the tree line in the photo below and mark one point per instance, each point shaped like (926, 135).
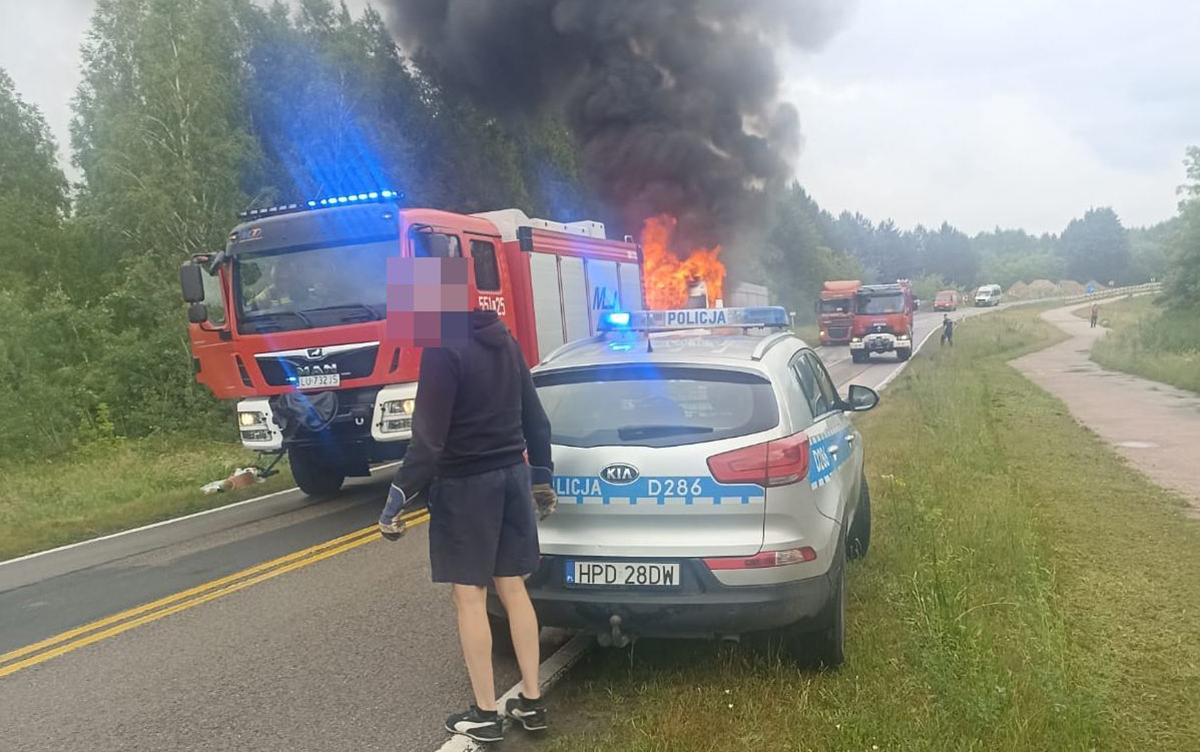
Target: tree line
(188, 112)
(808, 245)
(192, 110)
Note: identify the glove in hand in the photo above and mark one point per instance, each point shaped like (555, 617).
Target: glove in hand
(545, 499)
(390, 524)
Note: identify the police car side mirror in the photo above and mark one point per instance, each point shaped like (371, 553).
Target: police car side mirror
(860, 399)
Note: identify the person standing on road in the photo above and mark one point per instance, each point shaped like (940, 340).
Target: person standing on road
(947, 330)
(1095, 314)
(477, 414)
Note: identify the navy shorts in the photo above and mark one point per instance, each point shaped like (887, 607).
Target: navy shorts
(482, 526)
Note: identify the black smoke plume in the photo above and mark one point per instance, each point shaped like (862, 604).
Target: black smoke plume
(675, 102)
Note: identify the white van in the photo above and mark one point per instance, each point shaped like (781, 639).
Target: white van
(988, 295)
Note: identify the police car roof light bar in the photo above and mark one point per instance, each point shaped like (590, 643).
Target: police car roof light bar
(694, 318)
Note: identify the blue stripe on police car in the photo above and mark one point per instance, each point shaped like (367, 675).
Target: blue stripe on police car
(660, 490)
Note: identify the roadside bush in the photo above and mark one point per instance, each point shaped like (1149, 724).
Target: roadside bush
(1147, 341)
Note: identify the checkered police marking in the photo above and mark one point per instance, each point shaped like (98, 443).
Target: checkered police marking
(822, 463)
(679, 491)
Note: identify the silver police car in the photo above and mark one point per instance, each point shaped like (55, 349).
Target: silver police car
(710, 483)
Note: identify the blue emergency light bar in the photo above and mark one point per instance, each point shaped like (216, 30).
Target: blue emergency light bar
(317, 203)
(693, 318)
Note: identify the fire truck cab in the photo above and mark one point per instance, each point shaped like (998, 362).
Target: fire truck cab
(835, 311)
(291, 318)
(883, 321)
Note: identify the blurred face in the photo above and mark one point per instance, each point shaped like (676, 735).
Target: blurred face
(427, 301)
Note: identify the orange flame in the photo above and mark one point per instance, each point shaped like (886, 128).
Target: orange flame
(666, 276)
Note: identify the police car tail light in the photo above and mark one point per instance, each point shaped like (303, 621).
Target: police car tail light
(763, 560)
(775, 463)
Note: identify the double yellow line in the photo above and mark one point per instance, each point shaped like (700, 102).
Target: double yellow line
(110, 626)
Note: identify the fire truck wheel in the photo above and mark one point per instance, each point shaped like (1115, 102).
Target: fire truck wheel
(314, 477)
(858, 539)
(859, 356)
(902, 355)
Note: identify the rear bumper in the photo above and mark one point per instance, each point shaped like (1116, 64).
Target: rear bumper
(702, 607)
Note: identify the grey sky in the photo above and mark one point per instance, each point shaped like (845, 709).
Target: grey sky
(1019, 113)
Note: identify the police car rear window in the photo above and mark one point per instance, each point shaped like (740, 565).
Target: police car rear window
(654, 406)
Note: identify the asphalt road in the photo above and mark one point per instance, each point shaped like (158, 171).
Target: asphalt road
(296, 647)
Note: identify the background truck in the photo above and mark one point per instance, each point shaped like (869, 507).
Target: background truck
(291, 318)
(835, 311)
(747, 295)
(883, 321)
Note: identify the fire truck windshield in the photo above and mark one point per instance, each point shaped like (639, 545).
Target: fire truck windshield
(299, 289)
(878, 304)
(835, 305)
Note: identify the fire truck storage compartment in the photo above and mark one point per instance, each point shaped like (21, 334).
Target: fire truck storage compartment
(568, 292)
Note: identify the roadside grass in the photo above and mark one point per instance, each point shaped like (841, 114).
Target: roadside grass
(1025, 590)
(116, 484)
(1146, 341)
(808, 333)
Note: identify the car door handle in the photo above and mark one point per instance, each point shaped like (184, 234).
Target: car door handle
(850, 438)
(833, 449)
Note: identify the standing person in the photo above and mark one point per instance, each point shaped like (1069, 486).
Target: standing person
(947, 330)
(1095, 314)
(477, 413)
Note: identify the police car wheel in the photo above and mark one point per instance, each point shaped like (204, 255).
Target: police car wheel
(858, 540)
(314, 477)
(826, 648)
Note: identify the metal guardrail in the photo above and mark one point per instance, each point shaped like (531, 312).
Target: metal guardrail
(1113, 292)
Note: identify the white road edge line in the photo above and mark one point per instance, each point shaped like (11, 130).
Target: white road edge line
(163, 523)
(899, 369)
(551, 670)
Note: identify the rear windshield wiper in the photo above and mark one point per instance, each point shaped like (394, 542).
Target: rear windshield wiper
(659, 432)
(267, 315)
(372, 314)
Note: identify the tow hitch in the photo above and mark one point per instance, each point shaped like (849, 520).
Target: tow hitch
(614, 638)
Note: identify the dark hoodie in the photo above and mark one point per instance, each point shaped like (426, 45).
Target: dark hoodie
(477, 410)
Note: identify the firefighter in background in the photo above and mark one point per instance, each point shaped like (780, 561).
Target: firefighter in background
(947, 330)
(1095, 314)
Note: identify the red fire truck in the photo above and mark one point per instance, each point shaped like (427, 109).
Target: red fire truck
(835, 311)
(883, 321)
(290, 318)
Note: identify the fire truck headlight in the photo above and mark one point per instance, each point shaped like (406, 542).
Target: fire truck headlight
(399, 407)
(822, 332)
(252, 418)
(856, 339)
(902, 336)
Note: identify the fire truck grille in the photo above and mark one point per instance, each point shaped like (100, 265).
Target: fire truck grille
(839, 332)
(282, 371)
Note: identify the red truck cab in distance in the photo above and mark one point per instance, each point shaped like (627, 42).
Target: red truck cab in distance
(883, 321)
(291, 318)
(835, 311)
